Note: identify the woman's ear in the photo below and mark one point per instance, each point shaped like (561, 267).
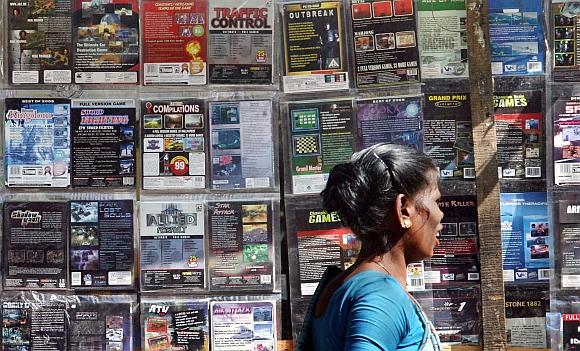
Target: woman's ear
(404, 210)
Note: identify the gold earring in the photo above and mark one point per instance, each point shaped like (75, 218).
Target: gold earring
(406, 224)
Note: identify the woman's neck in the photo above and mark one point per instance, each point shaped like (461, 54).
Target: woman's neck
(393, 262)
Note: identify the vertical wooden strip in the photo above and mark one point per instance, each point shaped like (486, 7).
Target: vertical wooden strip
(485, 148)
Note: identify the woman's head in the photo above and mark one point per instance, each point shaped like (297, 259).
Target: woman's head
(381, 190)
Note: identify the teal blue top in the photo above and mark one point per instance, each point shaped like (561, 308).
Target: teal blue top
(370, 311)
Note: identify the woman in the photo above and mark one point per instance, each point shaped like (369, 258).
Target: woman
(387, 194)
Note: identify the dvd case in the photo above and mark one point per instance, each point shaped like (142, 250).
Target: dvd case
(174, 137)
(39, 44)
(175, 324)
(321, 134)
(442, 37)
(568, 264)
(566, 131)
(396, 120)
(384, 35)
(174, 42)
(525, 312)
(448, 134)
(241, 42)
(241, 245)
(172, 251)
(103, 143)
(314, 47)
(565, 23)
(36, 142)
(520, 127)
(242, 144)
(34, 245)
(106, 41)
(101, 322)
(102, 244)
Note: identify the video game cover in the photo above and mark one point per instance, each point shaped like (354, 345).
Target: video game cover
(103, 143)
(314, 55)
(39, 42)
(516, 35)
(36, 142)
(519, 124)
(385, 42)
(568, 262)
(243, 326)
(241, 250)
(174, 136)
(455, 313)
(34, 245)
(175, 324)
(565, 21)
(322, 134)
(100, 323)
(442, 37)
(397, 120)
(525, 315)
(527, 239)
(174, 42)
(241, 41)
(33, 321)
(456, 258)
(172, 245)
(566, 130)
(102, 244)
(106, 41)
(448, 135)
(242, 145)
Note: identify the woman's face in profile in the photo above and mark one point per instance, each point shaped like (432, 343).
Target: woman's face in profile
(426, 223)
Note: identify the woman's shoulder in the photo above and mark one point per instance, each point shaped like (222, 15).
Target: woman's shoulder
(374, 285)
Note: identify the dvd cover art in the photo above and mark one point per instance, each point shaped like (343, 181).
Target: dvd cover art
(103, 143)
(242, 146)
(33, 322)
(101, 248)
(39, 42)
(322, 241)
(174, 134)
(174, 42)
(516, 30)
(525, 313)
(322, 135)
(241, 250)
(526, 237)
(456, 258)
(34, 245)
(100, 323)
(570, 324)
(241, 41)
(385, 42)
(565, 22)
(448, 135)
(243, 326)
(397, 120)
(569, 244)
(442, 36)
(455, 313)
(566, 116)
(314, 39)
(36, 142)
(175, 324)
(106, 41)
(172, 245)
(520, 134)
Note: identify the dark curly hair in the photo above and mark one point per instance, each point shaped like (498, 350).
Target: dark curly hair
(364, 189)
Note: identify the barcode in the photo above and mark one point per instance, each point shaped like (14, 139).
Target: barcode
(565, 168)
(543, 274)
(533, 172)
(14, 170)
(417, 282)
(534, 66)
(150, 68)
(469, 173)
(266, 279)
(128, 180)
(472, 276)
